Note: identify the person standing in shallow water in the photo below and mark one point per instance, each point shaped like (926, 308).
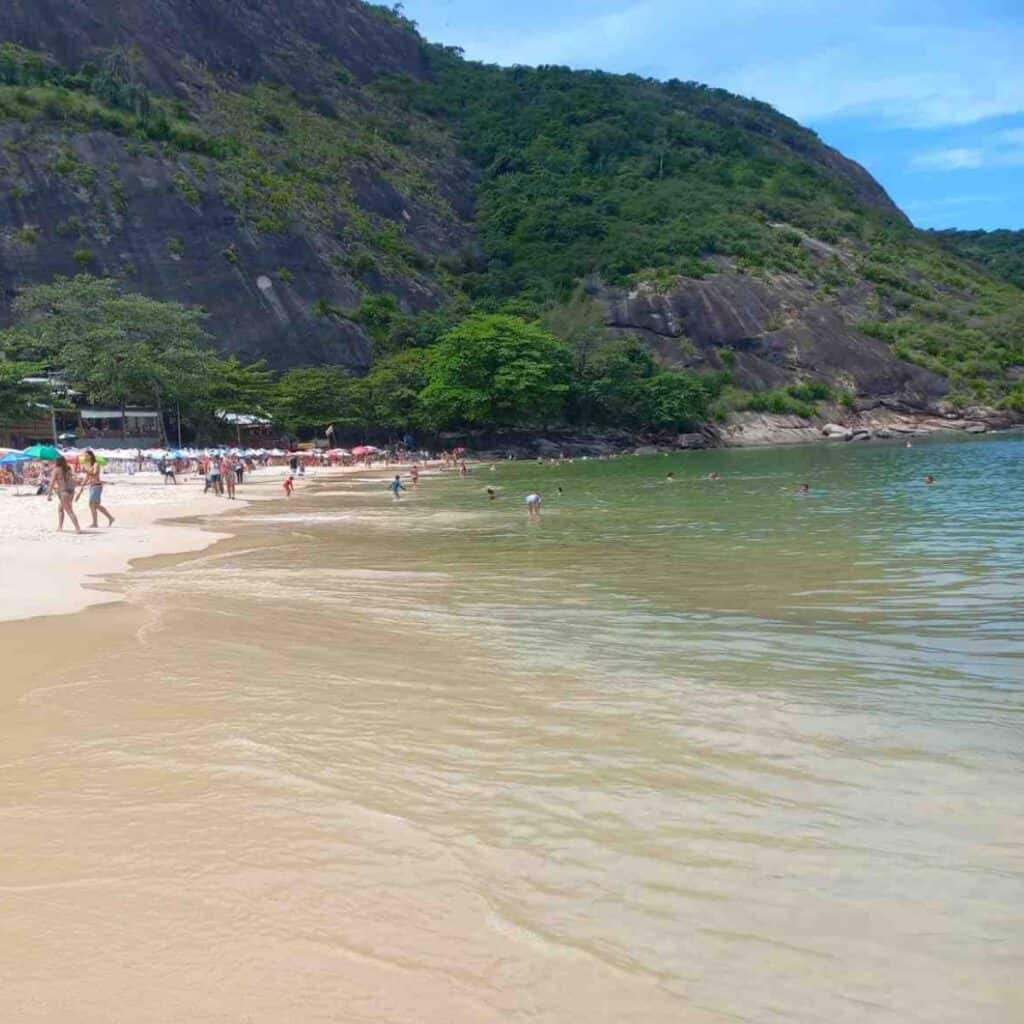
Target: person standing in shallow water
(533, 503)
(63, 482)
(94, 481)
(395, 487)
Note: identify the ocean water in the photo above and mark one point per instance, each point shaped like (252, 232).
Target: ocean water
(691, 750)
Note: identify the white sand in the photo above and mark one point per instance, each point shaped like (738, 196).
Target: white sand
(43, 572)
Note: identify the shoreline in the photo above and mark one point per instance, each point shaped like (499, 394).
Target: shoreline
(47, 573)
(754, 430)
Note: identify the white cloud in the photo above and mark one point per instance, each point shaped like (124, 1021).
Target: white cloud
(958, 158)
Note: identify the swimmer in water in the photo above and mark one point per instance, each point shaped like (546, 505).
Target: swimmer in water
(910, 444)
(533, 503)
(804, 489)
(491, 493)
(670, 476)
(929, 479)
(714, 476)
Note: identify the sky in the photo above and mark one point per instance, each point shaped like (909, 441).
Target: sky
(927, 94)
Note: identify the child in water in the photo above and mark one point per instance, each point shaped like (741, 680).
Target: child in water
(289, 486)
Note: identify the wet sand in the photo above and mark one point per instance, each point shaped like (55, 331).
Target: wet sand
(49, 573)
(368, 761)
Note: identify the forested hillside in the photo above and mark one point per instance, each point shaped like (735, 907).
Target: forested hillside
(1001, 252)
(334, 190)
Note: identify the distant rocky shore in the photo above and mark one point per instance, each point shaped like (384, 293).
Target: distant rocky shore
(751, 429)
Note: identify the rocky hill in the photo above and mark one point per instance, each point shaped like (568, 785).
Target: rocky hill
(313, 173)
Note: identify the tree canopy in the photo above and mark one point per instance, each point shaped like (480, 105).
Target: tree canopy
(496, 370)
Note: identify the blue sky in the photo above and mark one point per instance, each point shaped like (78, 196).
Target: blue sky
(929, 96)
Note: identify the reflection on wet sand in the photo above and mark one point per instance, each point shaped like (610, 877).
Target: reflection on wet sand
(441, 768)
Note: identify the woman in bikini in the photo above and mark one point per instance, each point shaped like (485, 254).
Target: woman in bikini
(63, 482)
(93, 480)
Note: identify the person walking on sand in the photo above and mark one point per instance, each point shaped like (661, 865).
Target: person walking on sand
(94, 481)
(533, 503)
(63, 482)
(414, 473)
(227, 474)
(395, 487)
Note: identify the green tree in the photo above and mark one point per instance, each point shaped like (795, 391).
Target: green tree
(122, 348)
(610, 386)
(313, 396)
(392, 390)
(496, 371)
(678, 400)
(18, 400)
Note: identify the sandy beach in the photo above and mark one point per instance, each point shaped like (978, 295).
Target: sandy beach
(51, 573)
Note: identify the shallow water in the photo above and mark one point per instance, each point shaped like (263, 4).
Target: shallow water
(701, 751)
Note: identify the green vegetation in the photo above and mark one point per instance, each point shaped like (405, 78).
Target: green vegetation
(109, 97)
(490, 371)
(496, 371)
(938, 312)
(592, 173)
(1001, 252)
(18, 399)
(288, 161)
(578, 177)
(120, 348)
(794, 400)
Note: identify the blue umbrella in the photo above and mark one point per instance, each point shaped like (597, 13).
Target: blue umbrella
(12, 457)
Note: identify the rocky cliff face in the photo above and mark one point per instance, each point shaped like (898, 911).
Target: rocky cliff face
(180, 42)
(769, 331)
(281, 240)
(304, 165)
(120, 210)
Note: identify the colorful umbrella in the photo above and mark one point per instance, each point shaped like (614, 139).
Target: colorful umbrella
(45, 452)
(12, 457)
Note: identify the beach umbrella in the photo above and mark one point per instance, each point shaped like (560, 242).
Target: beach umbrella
(12, 457)
(45, 452)
(364, 449)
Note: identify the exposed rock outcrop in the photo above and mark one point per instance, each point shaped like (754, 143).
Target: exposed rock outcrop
(768, 331)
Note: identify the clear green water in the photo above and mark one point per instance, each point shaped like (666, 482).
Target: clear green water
(689, 751)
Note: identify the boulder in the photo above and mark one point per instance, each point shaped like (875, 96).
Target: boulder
(690, 441)
(837, 431)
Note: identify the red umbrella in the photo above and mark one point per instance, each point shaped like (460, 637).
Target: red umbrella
(364, 449)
